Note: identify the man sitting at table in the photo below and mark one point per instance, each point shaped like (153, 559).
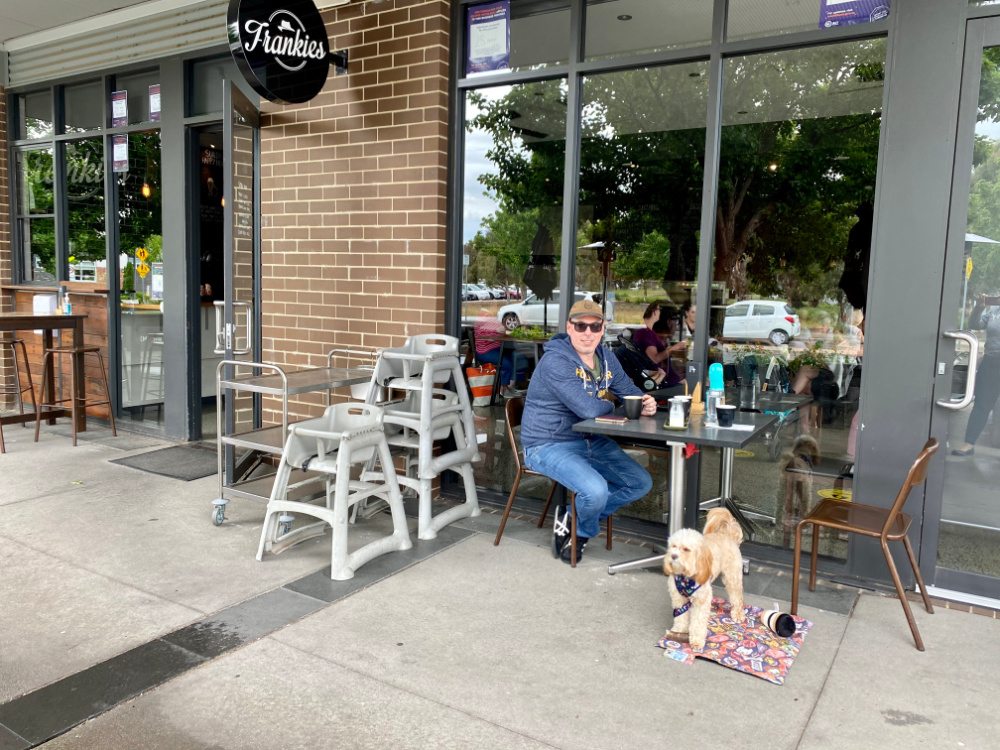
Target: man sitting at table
(572, 382)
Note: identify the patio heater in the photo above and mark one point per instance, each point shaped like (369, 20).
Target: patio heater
(541, 275)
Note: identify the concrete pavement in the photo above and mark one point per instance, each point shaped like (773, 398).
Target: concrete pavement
(459, 644)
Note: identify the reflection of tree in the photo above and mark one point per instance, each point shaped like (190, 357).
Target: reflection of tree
(799, 152)
(85, 199)
(984, 197)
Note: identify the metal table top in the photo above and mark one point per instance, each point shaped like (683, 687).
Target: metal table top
(301, 381)
(651, 430)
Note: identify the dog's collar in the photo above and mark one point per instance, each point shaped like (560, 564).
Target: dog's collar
(686, 588)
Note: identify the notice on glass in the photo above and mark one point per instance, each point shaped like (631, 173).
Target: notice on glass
(157, 289)
(119, 152)
(849, 12)
(154, 103)
(119, 109)
(488, 28)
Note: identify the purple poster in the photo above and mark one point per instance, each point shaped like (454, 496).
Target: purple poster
(119, 109)
(488, 34)
(119, 152)
(849, 12)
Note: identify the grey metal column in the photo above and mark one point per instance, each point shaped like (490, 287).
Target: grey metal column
(913, 192)
(177, 350)
(571, 170)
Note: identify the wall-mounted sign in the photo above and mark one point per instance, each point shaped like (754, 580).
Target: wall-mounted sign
(280, 47)
(119, 109)
(488, 32)
(154, 103)
(849, 12)
(119, 152)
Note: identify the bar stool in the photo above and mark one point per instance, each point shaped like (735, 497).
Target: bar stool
(18, 389)
(75, 403)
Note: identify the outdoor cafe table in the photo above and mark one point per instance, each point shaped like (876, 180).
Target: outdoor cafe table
(650, 431)
(47, 323)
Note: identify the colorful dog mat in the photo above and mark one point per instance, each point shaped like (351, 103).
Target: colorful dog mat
(751, 647)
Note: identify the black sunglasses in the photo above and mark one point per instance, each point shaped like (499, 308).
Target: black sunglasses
(595, 327)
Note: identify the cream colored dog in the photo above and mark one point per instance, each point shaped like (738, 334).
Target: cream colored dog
(693, 561)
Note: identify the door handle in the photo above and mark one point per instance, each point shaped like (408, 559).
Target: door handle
(970, 381)
(249, 314)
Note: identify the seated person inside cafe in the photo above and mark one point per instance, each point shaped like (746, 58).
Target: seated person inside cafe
(573, 382)
(488, 331)
(659, 325)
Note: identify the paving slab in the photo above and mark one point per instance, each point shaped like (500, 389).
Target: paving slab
(57, 618)
(156, 534)
(566, 657)
(883, 693)
(270, 695)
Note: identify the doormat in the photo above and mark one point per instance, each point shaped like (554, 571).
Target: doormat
(752, 647)
(183, 462)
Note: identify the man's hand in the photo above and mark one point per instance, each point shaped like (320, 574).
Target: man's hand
(648, 405)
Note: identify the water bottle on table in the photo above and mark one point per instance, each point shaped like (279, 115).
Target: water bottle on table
(716, 395)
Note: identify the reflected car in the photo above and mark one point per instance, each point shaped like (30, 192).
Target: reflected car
(770, 319)
(533, 311)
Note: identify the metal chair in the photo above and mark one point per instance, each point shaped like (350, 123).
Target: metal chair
(18, 389)
(346, 435)
(75, 403)
(514, 410)
(885, 524)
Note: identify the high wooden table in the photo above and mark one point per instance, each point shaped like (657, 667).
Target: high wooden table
(49, 322)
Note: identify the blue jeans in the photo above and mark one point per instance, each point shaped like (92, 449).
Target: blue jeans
(603, 477)
(520, 363)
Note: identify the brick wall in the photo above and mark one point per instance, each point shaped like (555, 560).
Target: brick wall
(6, 371)
(354, 190)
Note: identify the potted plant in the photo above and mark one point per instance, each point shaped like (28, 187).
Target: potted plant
(806, 365)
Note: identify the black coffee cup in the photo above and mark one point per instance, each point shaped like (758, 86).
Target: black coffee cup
(726, 414)
(633, 406)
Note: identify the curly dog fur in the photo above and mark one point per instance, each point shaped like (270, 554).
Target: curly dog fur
(703, 557)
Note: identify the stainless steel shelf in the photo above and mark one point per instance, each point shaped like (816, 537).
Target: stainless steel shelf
(300, 381)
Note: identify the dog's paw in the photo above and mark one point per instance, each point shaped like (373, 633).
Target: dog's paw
(738, 616)
(697, 644)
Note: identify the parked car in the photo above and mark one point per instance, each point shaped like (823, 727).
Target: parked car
(761, 319)
(499, 292)
(532, 310)
(513, 292)
(474, 292)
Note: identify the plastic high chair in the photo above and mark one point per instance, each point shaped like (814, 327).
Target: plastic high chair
(345, 436)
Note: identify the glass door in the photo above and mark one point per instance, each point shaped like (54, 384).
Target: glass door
(965, 419)
(239, 309)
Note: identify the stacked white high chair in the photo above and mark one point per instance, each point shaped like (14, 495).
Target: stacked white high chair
(427, 413)
(346, 435)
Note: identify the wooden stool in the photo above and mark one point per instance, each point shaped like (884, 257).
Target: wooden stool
(75, 403)
(18, 389)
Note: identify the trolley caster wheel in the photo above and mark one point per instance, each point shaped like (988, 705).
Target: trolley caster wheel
(285, 524)
(219, 512)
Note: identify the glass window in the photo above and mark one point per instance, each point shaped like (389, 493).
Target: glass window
(749, 19)
(141, 262)
(515, 150)
(85, 210)
(137, 85)
(35, 180)
(206, 85)
(737, 311)
(36, 114)
(38, 250)
(799, 150)
(84, 106)
(539, 33)
(629, 27)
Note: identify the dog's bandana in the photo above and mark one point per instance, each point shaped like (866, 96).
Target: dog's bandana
(686, 588)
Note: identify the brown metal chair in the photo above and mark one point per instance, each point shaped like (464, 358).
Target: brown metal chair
(18, 389)
(514, 410)
(885, 524)
(74, 403)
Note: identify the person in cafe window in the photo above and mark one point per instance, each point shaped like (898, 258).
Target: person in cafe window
(651, 338)
(985, 316)
(573, 382)
(487, 331)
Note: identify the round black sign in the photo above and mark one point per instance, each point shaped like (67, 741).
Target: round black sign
(280, 47)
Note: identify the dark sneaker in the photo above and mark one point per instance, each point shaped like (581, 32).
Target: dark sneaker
(581, 544)
(560, 530)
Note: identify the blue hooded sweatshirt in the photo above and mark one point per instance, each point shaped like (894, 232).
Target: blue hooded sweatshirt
(562, 392)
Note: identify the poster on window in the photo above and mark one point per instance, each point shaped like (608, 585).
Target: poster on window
(849, 12)
(488, 32)
(119, 152)
(119, 109)
(154, 103)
